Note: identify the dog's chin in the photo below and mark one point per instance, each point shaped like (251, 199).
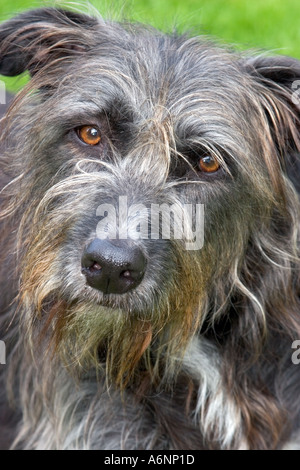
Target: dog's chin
(113, 302)
(126, 303)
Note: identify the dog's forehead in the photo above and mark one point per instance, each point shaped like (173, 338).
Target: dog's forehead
(186, 88)
(165, 66)
(147, 72)
(189, 89)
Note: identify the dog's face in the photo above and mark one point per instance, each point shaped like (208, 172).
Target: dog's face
(121, 116)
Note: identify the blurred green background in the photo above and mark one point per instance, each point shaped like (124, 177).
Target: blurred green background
(265, 24)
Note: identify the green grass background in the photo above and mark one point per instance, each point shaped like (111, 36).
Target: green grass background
(265, 24)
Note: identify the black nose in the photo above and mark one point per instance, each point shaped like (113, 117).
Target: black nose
(113, 267)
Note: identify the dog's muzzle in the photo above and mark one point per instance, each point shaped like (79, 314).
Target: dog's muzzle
(113, 267)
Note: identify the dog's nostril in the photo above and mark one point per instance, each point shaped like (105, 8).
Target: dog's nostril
(90, 265)
(125, 274)
(113, 268)
(95, 267)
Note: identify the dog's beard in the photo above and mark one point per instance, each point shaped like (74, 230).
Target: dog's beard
(122, 344)
(125, 344)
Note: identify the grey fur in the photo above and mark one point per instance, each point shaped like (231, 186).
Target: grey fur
(198, 355)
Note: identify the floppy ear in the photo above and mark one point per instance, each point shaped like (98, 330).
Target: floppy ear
(282, 70)
(34, 38)
(278, 80)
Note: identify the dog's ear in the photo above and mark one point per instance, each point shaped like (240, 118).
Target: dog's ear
(281, 70)
(278, 84)
(34, 38)
(278, 79)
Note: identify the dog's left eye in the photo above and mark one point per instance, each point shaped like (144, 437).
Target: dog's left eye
(89, 135)
(208, 164)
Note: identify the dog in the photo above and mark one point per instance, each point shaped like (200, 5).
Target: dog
(149, 240)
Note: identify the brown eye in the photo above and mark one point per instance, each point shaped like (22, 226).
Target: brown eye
(208, 164)
(89, 135)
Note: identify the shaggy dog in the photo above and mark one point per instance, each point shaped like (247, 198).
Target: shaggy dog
(149, 240)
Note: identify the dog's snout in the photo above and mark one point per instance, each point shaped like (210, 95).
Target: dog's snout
(113, 267)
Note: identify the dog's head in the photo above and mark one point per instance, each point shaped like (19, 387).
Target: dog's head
(123, 111)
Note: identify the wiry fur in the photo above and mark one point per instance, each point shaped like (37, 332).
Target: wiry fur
(198, 356)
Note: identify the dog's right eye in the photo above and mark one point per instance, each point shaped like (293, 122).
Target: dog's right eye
(90, 135)
(208, 164)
